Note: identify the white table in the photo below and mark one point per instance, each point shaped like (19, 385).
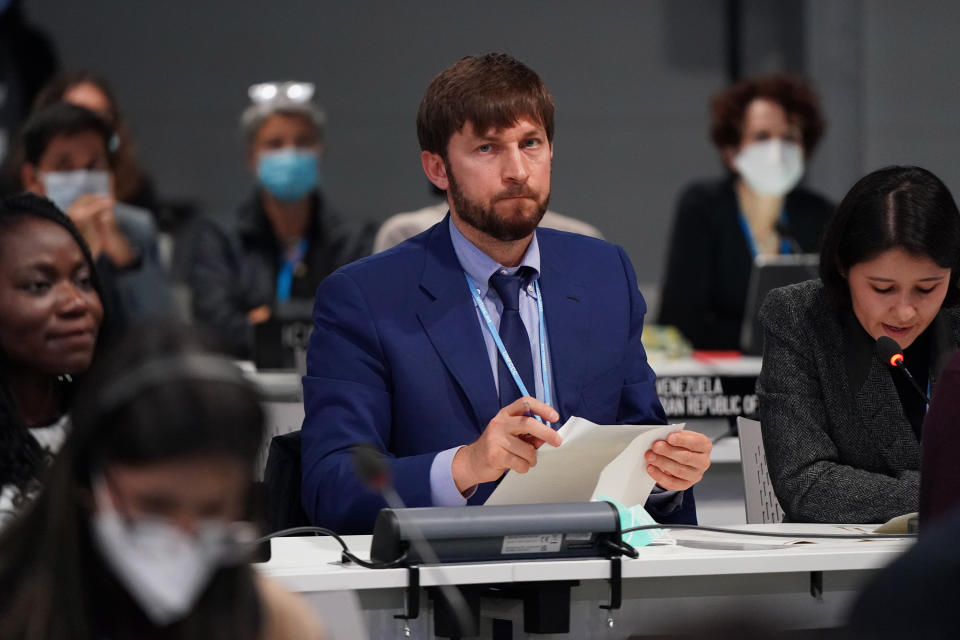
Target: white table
(667, 586)
(278, 385)
(286, 385)
(707, 366)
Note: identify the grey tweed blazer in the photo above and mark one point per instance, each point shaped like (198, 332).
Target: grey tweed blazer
(839, 446)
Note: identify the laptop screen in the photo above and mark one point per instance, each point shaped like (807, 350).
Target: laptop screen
(768, 273)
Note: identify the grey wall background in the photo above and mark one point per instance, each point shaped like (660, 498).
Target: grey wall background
(631, 80)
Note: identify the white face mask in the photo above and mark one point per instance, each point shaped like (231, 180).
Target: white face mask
(164, 568)
(771, 167)
(64, 187)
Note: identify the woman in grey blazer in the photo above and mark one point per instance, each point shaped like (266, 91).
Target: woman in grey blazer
(840, 427)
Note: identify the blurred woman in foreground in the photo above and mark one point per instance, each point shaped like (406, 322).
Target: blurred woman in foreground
(137, 534)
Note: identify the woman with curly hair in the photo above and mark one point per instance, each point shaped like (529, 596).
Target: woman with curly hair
(764, 128)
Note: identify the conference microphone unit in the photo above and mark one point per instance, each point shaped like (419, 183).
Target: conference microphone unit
(500, 533)
(435, 535)
(891, 353)
(457, 618)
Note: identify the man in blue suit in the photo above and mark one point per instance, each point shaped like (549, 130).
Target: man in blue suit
(410, 347)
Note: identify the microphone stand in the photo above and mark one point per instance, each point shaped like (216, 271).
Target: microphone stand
(890, 352)
(373, 471)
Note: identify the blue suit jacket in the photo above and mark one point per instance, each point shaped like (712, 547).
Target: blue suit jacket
(397, 360)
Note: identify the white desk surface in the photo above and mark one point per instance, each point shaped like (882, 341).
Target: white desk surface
(721, 366)
(273, 384)
(312, 563)
(288, 383)
(726, 450)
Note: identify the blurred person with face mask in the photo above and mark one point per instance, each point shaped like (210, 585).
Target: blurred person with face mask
(285, 237)
(67, 159)
(139, 531)
(132, 185)
(765, 129)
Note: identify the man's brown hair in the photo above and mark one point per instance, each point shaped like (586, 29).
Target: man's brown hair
(492, 91)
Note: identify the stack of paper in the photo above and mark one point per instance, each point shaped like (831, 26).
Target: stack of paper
(593, 460)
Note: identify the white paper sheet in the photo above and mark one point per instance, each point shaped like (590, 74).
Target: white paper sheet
(592, 460)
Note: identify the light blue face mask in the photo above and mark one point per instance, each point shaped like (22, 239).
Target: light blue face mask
(64, 187)
(634, 517)
(288, 174)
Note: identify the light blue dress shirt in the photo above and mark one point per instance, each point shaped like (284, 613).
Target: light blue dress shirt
(479, 266)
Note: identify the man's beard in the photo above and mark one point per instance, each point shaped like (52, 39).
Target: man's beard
(518, 223)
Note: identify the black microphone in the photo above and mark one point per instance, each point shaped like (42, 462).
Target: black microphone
(783, 231)
(371, 467)
(891, 353)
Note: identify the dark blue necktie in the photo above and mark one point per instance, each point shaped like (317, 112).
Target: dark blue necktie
(514, 336)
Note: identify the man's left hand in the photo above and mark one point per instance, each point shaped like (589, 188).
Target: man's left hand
(678, 462)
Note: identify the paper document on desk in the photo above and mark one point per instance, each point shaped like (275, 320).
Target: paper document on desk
(593, 460)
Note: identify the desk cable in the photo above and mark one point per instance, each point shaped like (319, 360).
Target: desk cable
(771, 534)
(392, 564)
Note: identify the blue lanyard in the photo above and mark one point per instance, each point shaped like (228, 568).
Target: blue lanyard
(287, 266)
(784, 243)
(544, 374)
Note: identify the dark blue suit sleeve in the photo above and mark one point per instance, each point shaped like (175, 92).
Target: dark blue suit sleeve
(347, 399)
(639, 403)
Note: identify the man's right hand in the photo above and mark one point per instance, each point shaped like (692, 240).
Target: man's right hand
(509, 442)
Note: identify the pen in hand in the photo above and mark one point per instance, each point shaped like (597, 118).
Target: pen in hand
(528, 412)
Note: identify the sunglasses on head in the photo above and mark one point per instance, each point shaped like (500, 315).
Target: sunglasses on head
(267, 92)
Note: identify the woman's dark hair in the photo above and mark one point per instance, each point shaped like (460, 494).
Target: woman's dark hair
(729, 107)
(905, 208)
(59, 119)
(58, 87)
(20, 455)
(159, 395)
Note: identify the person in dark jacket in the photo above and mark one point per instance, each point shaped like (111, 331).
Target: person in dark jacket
(940, 474)
(285, 238)
(764, 128)
(916, 595)
(841, 428)
(28, 59)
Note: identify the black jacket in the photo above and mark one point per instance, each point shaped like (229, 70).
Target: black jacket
(235, 267)
(708, 267)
